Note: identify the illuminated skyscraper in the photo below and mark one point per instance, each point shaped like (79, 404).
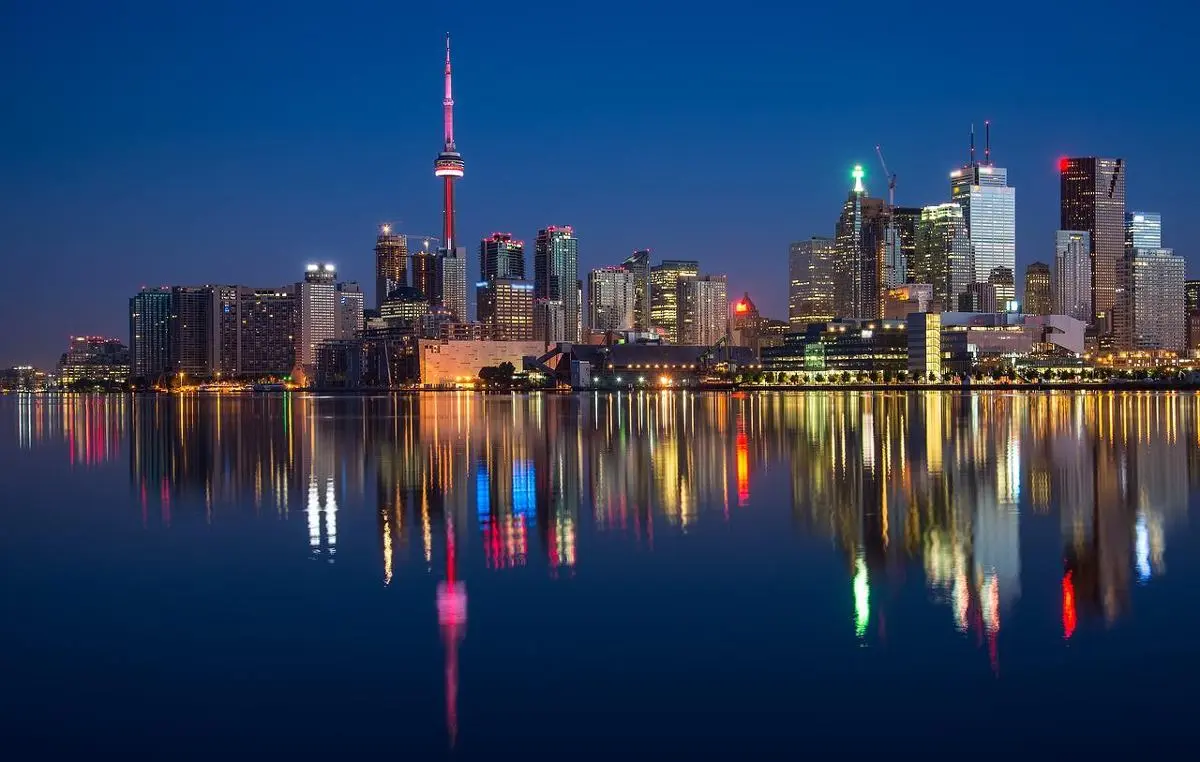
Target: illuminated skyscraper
(349, 310)
(1093, 201)
(810, 276)
(703, 309)
(549, 320)
(1073, 274)
(611, 299)
(425, 274)
(1038, 300)
(556, 275)
(193, 331)
(501, 257)
(943, 254)
(989, 212)
(1191, 298)
(149, 333)
(664, 279)
(638, 264)
(1156, 293)
(452, 277)
(1001, 279)
(505, 308)
(858, 275)
(318, 313)
(391, 263)
(1143, 230)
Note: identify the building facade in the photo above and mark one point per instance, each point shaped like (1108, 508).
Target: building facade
(549, 320)
(810, 281)
(859, 251)
(505, 309)
(989, 209)
(1156, 292)
(638, 265)
(350, 304)
(391, 263)
(664, 281)
(270, 327)
(1143, 230)
(703, 309)
(318, 313)
(556, 276)
(1092, 200)
(500, 256)
(1073, 274)
(1001, 279)
(1038, 299)
(452, 281)
(150, 334)
(943, 254)
(94, 359)
(612, 299)
(193, 331)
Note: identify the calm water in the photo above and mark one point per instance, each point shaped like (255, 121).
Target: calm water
(657, 575)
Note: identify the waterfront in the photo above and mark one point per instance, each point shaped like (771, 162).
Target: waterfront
(658, 573)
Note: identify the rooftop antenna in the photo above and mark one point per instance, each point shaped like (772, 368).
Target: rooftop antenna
(972, 143)
(987, 142)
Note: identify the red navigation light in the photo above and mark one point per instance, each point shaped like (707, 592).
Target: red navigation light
(1063, 164)
(741, 307)
(1068, 606)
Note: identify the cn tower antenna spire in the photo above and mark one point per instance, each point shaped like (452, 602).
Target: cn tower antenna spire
(448, 102)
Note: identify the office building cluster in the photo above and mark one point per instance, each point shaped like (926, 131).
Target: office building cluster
(215, 332)
(1109, 271)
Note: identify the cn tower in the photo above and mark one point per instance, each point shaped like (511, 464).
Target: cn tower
(449, 163)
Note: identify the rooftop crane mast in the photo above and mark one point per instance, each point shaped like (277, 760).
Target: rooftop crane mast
(894, 274)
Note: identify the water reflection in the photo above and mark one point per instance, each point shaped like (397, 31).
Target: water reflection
(929, 489)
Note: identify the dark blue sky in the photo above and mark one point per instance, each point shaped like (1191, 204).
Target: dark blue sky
(188, 142)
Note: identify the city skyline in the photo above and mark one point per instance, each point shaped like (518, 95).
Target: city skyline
(249, 183)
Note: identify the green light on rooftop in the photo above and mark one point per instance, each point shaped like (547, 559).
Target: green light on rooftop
(858, 175)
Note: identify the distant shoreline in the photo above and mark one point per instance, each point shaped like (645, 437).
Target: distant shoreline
(1106, 386)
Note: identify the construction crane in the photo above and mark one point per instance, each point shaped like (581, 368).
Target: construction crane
(894, 274)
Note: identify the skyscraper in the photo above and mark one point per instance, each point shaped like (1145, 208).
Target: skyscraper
(943, 254)
(611, 299)
(1037, 289)
(556, 275)
(501, 257)
(1092, 200)
(1143, 230)
(1191, 302)
(638, 264)
(989, 212)
(810, 276)
(149, 333)
(425, 274)
(270, 321)
(1001, 279)
(391, 263)
(858, 253)
(1156, 292)
(505, 308)
(452, 275)
(349, 310)
(664, 278)
(318, 314)
(703, 309)
(1073, 274)
(193, 334)
(549, 323)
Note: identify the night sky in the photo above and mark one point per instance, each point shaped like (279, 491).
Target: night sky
(149, 143)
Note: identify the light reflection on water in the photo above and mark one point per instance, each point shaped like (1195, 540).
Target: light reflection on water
(934, 490)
